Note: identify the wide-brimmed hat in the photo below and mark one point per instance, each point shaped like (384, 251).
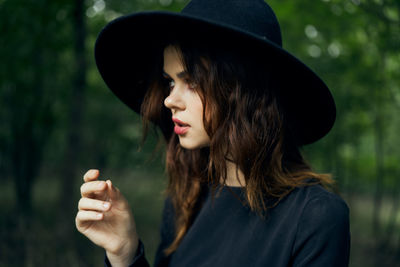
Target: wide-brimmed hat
(128, 48)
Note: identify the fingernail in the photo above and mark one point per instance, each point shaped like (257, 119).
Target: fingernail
(99, 215)
(106, 205)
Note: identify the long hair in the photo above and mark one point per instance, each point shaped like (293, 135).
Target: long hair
(246, 123)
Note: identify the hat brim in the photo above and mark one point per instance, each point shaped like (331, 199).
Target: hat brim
(128, 47)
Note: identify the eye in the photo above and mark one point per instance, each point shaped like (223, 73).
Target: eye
(191, 84)
(168, 83)
(171, 84)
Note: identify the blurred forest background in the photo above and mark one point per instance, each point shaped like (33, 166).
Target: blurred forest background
(58, 119)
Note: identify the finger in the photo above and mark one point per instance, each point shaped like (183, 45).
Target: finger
(93, 204)
(91, 175)
(91, 188)
(87, 215)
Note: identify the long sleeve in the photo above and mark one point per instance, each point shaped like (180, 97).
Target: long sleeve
(323, 235)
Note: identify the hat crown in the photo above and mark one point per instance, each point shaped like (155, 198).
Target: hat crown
(252, 16)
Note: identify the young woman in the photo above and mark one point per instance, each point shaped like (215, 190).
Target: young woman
(234, 108)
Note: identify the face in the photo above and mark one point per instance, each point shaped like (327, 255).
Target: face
(184, 102)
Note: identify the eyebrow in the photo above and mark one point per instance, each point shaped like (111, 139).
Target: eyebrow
(180, 75)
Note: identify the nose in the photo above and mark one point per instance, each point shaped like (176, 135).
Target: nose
(174, 101)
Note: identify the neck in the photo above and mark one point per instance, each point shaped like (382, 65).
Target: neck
(234, 176)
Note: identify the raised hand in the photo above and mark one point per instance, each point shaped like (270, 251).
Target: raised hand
(104, 216)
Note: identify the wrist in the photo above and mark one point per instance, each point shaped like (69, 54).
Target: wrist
(125, 255)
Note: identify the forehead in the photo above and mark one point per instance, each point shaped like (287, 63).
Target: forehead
(172, 58)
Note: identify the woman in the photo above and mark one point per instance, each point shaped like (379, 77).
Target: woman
(239, 191)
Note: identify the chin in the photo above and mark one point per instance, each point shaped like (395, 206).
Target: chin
(191, 144)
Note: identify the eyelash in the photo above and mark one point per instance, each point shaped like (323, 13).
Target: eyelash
(170, 83)
(167, 83)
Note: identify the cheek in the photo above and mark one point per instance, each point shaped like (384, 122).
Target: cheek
(199, 112)
(197, 107)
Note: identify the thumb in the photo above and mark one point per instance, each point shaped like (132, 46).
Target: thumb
(112, 191)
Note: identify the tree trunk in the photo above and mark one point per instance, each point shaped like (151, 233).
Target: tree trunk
(379, 157)
(70, 167)
(380, 168)
(28, 143)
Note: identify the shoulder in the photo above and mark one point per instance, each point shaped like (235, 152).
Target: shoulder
(322, 213)
(313, 205)
(315, 197)
(321, 203)
(310, 209)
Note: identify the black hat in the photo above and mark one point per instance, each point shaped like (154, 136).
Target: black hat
(127, 49)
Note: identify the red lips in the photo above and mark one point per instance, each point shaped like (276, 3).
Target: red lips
(180, 127)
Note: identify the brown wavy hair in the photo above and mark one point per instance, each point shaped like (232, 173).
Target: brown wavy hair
(247, 125)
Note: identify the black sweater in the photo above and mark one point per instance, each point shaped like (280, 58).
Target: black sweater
(309, 227)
